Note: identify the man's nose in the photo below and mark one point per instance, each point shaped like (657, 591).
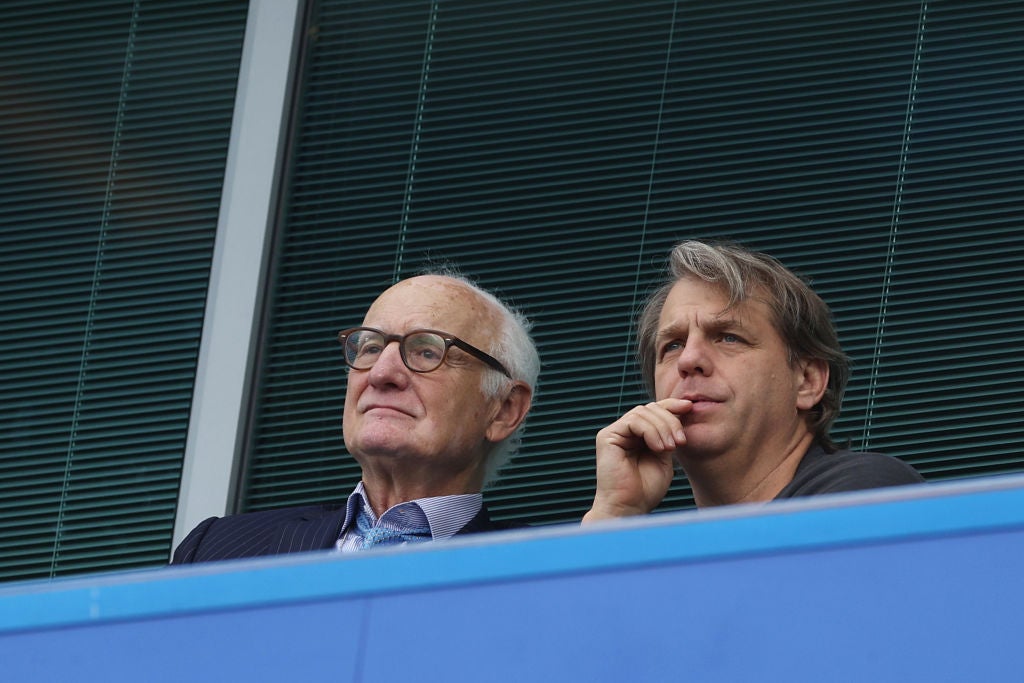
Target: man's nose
(389, 367)
(693, 358)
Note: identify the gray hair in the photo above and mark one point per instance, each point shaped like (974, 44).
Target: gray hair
(799, 315)
(515, 348)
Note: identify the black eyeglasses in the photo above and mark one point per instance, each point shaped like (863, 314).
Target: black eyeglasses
(421, 350)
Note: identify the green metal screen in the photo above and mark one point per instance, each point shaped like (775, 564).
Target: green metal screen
(556, 150)
(114, 124)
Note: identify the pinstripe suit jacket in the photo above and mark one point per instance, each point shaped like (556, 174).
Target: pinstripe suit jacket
(274, 532)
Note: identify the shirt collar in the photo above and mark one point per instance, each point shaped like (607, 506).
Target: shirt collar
(445, 515)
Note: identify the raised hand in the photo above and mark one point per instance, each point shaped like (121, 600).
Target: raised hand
(636, 458)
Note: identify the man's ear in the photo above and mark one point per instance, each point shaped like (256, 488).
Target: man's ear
(812, 381)
(510, 413)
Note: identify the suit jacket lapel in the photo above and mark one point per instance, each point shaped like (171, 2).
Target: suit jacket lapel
(316, 529)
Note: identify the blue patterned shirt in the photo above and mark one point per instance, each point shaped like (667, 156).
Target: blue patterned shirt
(443, 515)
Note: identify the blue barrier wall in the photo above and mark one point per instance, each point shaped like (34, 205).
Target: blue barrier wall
(922, 583)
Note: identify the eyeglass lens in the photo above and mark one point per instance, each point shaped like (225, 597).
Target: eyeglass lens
(421, 351)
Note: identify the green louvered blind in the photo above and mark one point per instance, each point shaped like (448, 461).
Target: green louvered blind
(114, 125)
(556, 150)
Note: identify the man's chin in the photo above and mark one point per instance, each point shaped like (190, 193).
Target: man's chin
(699, 445)
(383, 444)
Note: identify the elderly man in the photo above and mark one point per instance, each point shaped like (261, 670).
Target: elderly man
(747, 375)
(441, 378)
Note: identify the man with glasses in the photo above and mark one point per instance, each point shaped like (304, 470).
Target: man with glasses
(441, 376)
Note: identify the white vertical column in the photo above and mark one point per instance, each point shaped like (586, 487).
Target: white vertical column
(240, 258)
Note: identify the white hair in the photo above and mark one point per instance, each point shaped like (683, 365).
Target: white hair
(513, 346)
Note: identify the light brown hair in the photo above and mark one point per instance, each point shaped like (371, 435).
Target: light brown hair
(802, 319)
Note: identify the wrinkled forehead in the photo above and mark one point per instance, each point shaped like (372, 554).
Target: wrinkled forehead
(711, 303)
(434, 302)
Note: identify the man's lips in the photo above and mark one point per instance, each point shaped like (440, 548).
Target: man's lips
(698, 398)
(386, 408)
(701, 404)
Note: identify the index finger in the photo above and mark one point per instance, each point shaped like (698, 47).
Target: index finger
(676, 406)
